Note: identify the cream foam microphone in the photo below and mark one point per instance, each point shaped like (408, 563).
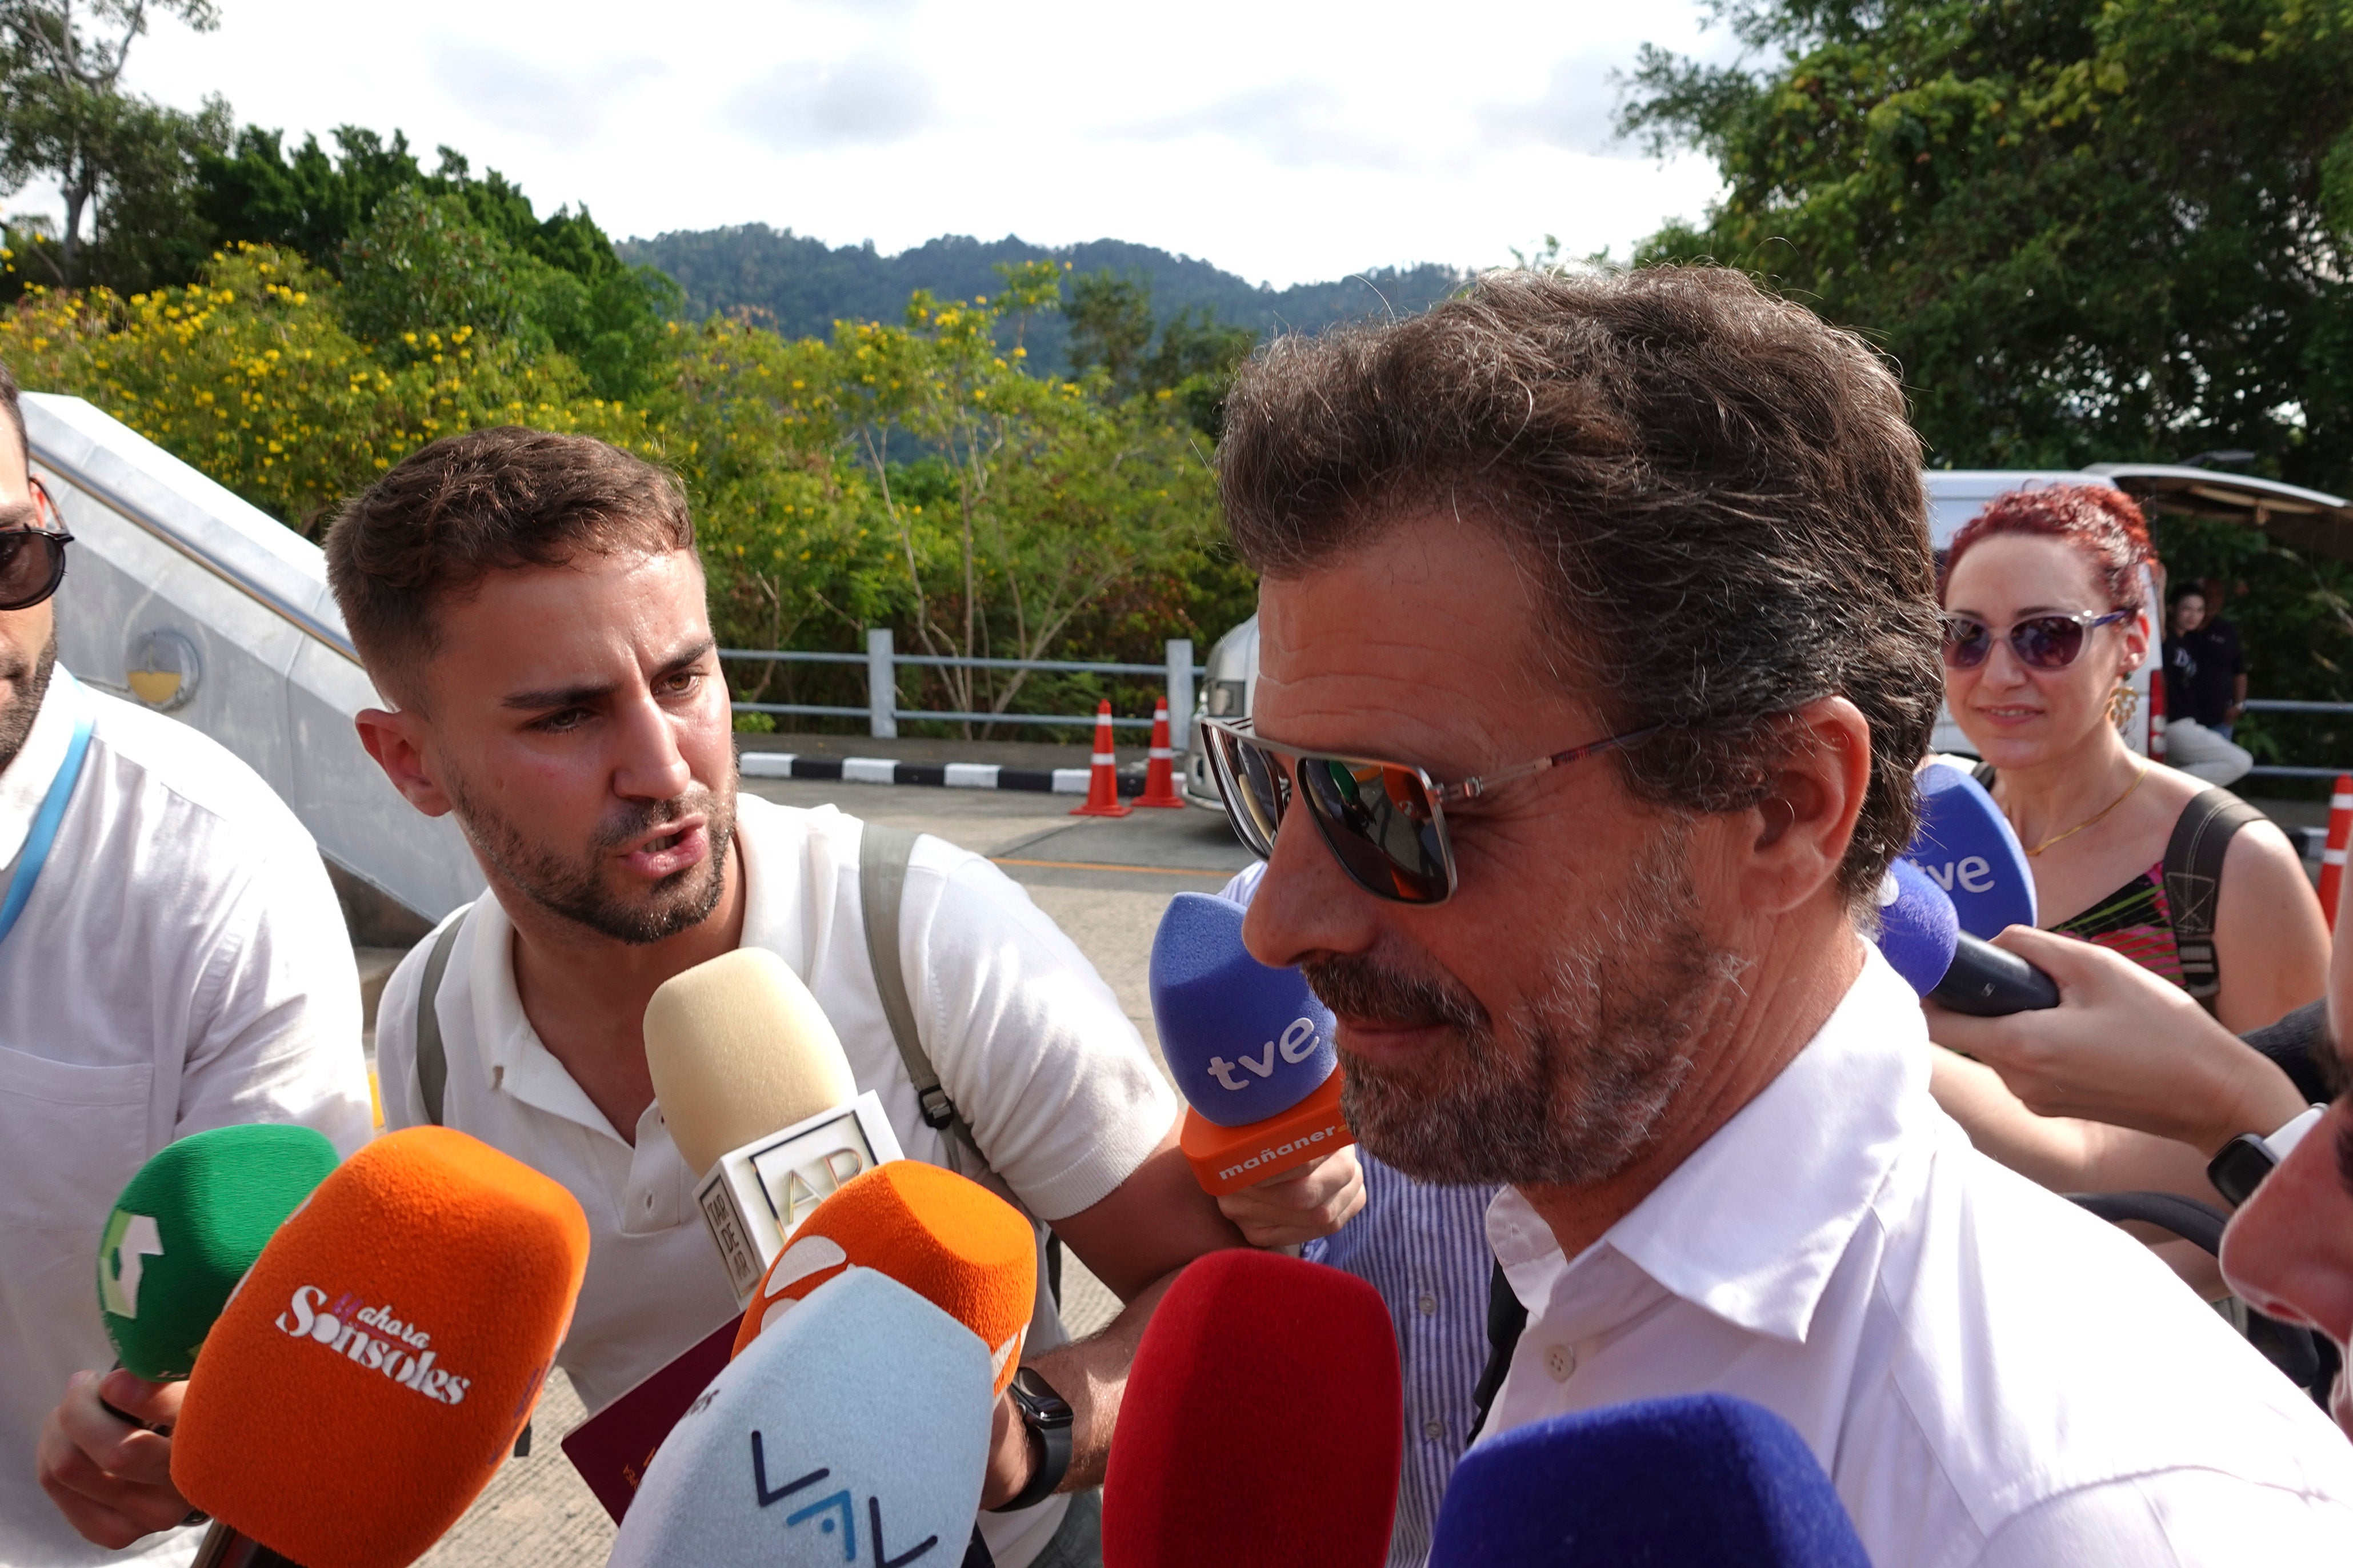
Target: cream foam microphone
(758, 1097)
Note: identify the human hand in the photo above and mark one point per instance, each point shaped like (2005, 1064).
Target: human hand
(1314, 1200)
(2122, 1046)
(111, 1479)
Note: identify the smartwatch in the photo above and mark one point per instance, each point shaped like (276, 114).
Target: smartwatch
(2247, 1159)
(1046, 1415)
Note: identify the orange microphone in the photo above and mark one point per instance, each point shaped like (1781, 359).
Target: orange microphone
(374, 1369)
(950, 1241)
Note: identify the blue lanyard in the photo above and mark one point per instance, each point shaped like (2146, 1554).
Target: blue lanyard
(52, 812)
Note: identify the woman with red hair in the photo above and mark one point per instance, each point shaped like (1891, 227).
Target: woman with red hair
(2046, 617)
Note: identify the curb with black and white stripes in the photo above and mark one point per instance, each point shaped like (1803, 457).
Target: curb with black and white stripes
(939, 775)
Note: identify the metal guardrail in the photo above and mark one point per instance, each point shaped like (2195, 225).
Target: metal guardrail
(883, 711)
(2284, 705)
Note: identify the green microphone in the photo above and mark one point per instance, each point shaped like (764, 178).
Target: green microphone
(185, 1230)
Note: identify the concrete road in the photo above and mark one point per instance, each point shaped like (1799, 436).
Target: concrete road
(1103, 881)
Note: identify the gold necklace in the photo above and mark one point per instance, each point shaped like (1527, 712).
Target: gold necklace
(2095, 818)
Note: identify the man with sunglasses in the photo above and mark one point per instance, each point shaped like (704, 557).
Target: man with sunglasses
(1599, 643)
(171, 959)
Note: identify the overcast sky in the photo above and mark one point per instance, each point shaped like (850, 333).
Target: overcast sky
(1282, 140)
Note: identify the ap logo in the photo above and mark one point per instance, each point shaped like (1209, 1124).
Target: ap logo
(834, 1511)
(122, 1253)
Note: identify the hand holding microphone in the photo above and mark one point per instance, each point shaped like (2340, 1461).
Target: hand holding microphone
(181, 1235)
(1251, 1050)
(1924, 942)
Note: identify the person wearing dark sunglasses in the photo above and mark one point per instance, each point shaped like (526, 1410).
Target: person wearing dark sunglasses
(171, 959)
(1598, 644)
(2045, 622)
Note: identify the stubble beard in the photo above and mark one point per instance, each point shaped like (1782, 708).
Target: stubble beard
(28, 680)
(1578, 1087)
(573, 888)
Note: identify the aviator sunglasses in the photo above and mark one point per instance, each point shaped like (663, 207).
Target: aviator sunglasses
(2040, 642)
(32, 559)
(1384, 822)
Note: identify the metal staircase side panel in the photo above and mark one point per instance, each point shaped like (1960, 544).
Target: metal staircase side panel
(159, 547)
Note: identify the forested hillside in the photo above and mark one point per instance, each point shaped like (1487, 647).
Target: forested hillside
(804, 285)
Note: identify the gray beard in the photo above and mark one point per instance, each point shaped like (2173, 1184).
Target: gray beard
(17, 714)
(574, 889)
(1575, 1090)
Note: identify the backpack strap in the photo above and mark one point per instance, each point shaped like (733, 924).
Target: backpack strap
(883, 856)
(432, 1059)
(2193, 883)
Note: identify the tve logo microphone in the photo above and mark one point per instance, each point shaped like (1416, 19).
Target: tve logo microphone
(1966, 847)
(1298, 1043)
(1244, 1042)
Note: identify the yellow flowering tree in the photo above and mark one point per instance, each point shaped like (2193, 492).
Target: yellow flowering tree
(250, 376)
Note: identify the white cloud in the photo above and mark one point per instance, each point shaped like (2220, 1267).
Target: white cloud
(1294, 124)
(556, 105)
(1574, 110)
(868, 99)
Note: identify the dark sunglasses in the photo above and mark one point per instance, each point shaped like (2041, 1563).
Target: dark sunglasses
(2040, 642)
(33, 560)
(1384, 822)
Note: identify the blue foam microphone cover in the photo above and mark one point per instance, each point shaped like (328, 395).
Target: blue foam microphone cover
(854, 1431)
(1969, 849)
(1917, 927)
(1700, 1481)
(1243, 1042)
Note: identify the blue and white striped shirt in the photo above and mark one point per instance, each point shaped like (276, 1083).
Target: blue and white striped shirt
(1425, 1249)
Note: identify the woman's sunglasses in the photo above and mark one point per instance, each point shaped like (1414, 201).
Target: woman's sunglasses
(32, 559)
(1384, 822)
(2040, 642)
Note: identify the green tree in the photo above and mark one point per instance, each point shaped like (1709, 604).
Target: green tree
(307, 202)
(2086, 229)
(422, 265)
(124, 163)
(1111, 326)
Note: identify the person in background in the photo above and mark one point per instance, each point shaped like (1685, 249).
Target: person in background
(171, 959)
(1593, 676)
(2042, 599)
(2205, 692)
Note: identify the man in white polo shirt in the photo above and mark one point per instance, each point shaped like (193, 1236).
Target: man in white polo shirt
(534, 606)
(171, 959)
(1592, 677)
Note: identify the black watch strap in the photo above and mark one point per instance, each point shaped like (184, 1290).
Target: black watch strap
(1047, 1416)
(2241, 1168)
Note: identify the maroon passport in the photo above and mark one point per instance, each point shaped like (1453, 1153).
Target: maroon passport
(612, 1448)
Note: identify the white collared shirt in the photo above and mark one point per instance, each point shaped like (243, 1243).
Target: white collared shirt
(181, 966)
(1028, 1042)
(1988, 1374)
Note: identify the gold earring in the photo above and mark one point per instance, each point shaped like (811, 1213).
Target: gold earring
(2123, 703)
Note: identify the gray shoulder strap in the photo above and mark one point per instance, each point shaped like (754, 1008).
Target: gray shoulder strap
(432, 1059)
(2193, 884)
(883, 856)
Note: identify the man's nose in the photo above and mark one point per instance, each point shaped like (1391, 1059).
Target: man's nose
(1305, 904)
(648, 765)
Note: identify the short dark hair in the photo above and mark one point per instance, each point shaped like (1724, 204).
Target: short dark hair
(1716, 492)
(501, 498)
(8, 400)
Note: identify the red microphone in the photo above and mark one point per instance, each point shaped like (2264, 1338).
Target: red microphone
(1264, 1422)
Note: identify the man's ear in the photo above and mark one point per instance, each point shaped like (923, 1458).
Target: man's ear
(397, 742)
(1802, 829)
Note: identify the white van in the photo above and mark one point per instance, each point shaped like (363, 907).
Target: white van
(2312, 519)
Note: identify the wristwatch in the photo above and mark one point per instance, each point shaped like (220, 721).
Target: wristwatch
(1046, 1415)
(2247, 1159)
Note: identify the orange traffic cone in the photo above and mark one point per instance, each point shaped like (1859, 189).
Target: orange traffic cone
(2156, 716)
(2332, 857)
(1160, 774)
(1102, 784)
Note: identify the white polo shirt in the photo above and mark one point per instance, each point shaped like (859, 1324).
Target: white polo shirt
(181, 965)
(1989, 1375)
(1028, 1040)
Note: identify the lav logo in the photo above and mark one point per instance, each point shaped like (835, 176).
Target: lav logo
(1297, 1044)
(834, 1511)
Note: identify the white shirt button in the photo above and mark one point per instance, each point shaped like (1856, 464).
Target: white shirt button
(1560, 1360)
(1427, 1305)
(1433, 1428)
